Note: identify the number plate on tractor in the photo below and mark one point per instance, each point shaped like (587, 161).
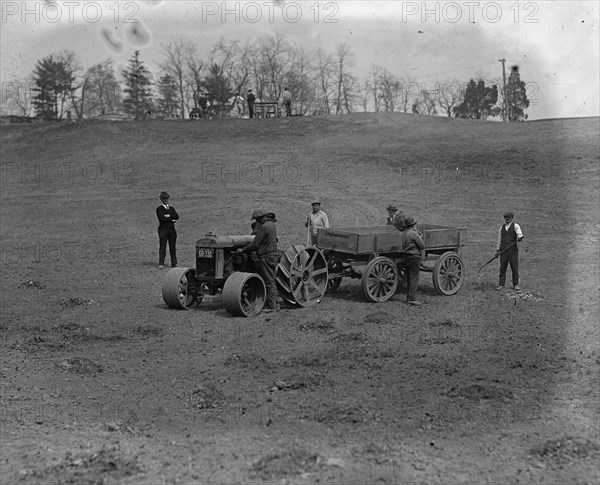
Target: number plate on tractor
(206, 253)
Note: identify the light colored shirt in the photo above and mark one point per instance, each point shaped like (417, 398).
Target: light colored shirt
(317, 220)
(506, 228)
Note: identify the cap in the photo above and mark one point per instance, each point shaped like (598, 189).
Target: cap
(509, 214)
(272, 216)
(315, 202)
(163, 195)
(258, 213)
(391, 207)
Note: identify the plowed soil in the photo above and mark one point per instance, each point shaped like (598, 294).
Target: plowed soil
(102, 383)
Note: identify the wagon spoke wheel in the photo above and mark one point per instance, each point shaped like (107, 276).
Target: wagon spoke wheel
(179, 289)
(244, 294)
(380, 279)
(448, 274)
(302, 275)
(333, 281)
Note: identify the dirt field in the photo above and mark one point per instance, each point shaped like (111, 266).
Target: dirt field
(102, 383)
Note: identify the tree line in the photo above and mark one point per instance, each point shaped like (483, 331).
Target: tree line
(320, 83)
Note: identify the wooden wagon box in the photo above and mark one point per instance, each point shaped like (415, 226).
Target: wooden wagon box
(362, 240)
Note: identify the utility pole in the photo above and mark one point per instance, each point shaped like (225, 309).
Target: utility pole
(504, 113)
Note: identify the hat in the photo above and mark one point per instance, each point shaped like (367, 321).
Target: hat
(391, 207)
(408, 222)
(509, 214)
(258, 213)
(315, 202)
(163, 195)
(271, 216)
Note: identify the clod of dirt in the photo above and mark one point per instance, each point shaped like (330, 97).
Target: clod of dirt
(446, 322)
(149, 330)
(476, 392)
(519, 295)
(80, 365)
(31, 284)
(566, 449)
(327, 326)
(381, 318)
(101, 467)
(250, 360)
(207, 396)
(294, 462)
(73, 302)
(350, 337)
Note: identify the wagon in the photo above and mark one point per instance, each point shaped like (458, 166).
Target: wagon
(378, 248)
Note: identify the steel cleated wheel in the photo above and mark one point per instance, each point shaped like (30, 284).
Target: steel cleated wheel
(302, 275)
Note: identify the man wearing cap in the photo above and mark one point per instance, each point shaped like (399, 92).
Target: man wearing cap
(265, 244)
(392, 209)
(509, 235)
(315, 220)
(167, 216)
(412, 246)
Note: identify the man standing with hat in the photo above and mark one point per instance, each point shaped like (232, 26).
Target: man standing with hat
(412, 246)
(265, 244)
(167, 216)
(392, 209)
(315, 220)
(509, 235)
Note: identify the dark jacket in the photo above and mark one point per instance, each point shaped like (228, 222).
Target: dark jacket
(166, 217)
(265, 240)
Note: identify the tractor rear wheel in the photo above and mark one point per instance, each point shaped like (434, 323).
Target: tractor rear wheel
(302, 275)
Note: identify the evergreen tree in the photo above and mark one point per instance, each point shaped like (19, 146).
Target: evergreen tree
(53, 80)
(479, 101)
(516, 96)
(138, 99)
(168, 102)
(218, 89)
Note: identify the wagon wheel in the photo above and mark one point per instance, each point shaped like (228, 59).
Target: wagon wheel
(244, 294)
(302, 275)
(333, 281)
(448, 274)
(380, 279)
(179, 289)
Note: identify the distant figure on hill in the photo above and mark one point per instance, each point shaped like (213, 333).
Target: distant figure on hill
(251, 99)
(287, 101)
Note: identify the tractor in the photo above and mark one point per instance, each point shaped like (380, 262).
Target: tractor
(301, 277)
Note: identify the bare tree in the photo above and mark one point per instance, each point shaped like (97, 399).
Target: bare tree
(325, 75)
(344, 79)
(451, 93)
(102, 94)
(373, 82)
(174, 64)
(409, 94)
(390, 89)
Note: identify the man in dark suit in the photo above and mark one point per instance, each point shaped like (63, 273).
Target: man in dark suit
(251, 99)
(167, 216)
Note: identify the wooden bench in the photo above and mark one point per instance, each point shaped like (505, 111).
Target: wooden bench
(267, 109)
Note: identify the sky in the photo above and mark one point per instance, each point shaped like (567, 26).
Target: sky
(555, 44)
